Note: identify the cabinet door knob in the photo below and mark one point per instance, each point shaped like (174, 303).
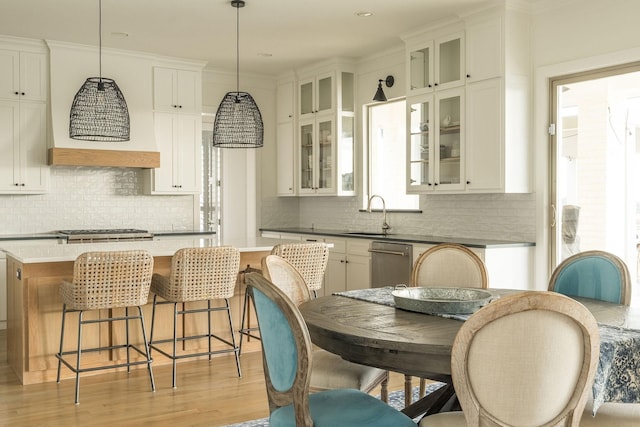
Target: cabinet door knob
(429, 85)
(22, 93)
(435, 183)
(17, 93)
(435, 84)
(179, 106)
(22, 185)
(16, 184)
(468, 76)
(175, 106)
(468, 182)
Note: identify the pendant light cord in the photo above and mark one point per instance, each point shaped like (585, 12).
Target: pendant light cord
(237, 50)
(100, 40)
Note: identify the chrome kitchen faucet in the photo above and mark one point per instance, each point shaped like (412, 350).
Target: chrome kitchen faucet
(385, 226)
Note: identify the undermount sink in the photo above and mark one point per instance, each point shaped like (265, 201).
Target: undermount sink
(368, 233)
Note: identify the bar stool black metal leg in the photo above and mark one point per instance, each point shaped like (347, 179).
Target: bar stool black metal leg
(147, 349)
(175, 334)
(126, 327)
(77, 401)
(236, 349)
(245, 305)
(209, 326)
(64, 315)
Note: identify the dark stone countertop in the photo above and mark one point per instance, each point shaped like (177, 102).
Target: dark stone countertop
(407, 238)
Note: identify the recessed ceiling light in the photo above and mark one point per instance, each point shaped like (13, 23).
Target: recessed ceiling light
(364, 14)
(265, 54)
(119, 35)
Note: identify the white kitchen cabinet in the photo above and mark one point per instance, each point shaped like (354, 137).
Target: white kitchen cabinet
(177, 90)
(177, 102)
(23, 164)
(325, 139)
(316, 94)
(435, 63)
(436, 142)
(317, 155)
(285, 142)
(23, 75)
(348, 266)
(178, 138)
(23, 121)
(498, 104)
(485, 55)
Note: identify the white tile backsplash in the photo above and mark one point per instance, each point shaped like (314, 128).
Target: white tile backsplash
(482, 216)
(86, 197)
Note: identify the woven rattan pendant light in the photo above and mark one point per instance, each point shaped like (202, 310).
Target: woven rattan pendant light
(99, 111)
(238, 122)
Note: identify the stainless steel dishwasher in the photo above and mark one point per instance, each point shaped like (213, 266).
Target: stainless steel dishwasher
(391, 264)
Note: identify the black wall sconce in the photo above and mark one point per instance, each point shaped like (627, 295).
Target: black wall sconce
(379, 96)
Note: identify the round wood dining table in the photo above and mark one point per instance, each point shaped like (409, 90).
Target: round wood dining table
(408, 342)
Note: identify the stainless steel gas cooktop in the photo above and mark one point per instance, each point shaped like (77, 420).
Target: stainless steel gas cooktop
(105, 235)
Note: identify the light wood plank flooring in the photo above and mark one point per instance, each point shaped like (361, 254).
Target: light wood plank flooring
(208, 394)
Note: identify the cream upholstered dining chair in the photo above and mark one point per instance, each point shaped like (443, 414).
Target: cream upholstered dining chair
(197, 274)
(287, 358)
(329, 370)
(446, 265)
(106, 280)
(504, 380)
(449, 265)
(593, 274)
(309, 258)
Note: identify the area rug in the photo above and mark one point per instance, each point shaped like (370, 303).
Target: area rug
(396, 400)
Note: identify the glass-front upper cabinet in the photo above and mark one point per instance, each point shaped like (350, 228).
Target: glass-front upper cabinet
(326, 161)
(450, 140)
(317, 154)
(316, 95)
(436, 64)
(436, 142)
(420, 154)
(346, 161)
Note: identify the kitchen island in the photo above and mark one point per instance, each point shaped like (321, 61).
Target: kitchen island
(34, 307)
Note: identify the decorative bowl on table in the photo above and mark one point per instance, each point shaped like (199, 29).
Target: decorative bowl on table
(441, 300)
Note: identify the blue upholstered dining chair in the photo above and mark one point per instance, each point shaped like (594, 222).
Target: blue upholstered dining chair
(597, 275)
(287, 360)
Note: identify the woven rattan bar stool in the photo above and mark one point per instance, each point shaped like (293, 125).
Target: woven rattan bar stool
(107, 281)
(197, 274)
(310, 259)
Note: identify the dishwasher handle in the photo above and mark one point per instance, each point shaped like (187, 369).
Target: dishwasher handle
(381, 251)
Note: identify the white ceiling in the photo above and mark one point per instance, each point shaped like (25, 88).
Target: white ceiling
(293, 32)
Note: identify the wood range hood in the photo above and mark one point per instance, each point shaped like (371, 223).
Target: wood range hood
(106, 158)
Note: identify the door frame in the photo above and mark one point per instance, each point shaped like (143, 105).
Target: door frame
(541, 115)
(554, 84)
